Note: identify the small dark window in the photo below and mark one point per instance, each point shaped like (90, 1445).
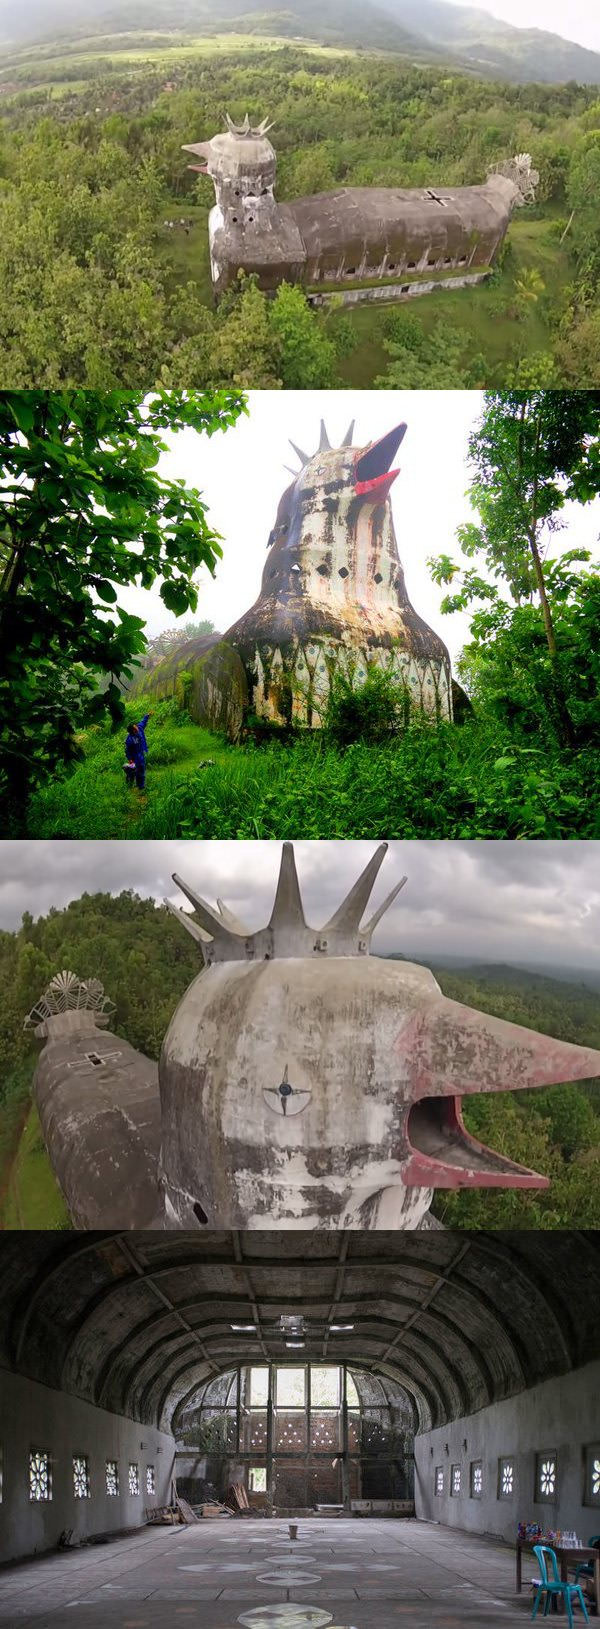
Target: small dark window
(95, 1059)
(323, 571)
(405, 289)
(250, 218)
(351, 271)
(234, 219)
(378, 577)
(432, 261)
(200, 1215)
(411, 265)
(392, 266)
(344, 571)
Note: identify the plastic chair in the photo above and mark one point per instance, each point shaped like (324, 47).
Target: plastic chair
(551, 1585)
(585, 1569)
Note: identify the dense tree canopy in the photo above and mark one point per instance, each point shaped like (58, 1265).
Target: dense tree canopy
(84, 509)
(96, 286)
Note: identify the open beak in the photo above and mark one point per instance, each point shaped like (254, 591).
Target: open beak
(453, 1051)
(373, 476)
(200, 149)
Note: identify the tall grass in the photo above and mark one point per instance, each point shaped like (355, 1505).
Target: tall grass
(467, 782)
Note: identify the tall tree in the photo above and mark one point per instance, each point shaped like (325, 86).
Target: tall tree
(85, 509)
(532, 453)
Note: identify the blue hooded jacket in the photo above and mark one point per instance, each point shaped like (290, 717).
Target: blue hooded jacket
(134, 751)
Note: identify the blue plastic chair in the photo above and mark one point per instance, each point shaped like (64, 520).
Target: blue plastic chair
(552, 1586)
(585, 1569)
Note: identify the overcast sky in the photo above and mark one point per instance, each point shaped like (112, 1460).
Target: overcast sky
(242, 476)
(580, 20)
(519, 902)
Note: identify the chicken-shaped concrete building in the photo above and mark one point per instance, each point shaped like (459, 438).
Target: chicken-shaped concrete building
(303, 1082)
(363, 242)
(332, 601)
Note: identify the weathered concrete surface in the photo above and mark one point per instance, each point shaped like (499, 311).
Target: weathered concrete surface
(99, 1109)
(352, 234)
(376, 1058)
(561, 1416)
(395, 293)
(333, 598)
(37, 1416)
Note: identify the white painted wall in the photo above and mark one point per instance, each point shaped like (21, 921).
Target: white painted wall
(561, 1415)
(35, 1416)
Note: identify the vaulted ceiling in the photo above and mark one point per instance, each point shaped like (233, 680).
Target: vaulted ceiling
(137, 1322)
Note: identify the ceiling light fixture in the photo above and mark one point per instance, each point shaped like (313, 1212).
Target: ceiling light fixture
(243, 1329)
(336, 1329)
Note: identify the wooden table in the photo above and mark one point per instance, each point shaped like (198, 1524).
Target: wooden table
(567, 1556)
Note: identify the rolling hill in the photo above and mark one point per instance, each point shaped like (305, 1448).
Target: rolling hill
(425, 30)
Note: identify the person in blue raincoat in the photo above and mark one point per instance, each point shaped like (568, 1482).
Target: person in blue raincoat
(136, 753)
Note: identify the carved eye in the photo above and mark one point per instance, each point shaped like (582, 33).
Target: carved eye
(378, 577)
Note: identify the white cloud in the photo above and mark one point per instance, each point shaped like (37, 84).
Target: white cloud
(517, 902)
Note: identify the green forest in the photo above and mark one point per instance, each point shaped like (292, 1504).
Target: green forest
(146, 962)
(519, 760)
(104, 266)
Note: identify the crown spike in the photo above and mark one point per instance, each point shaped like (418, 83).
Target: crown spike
(191, 927)
(287, 910)
(348, 917)
(216, 928)
(304, 458)
(347, 441)
(230, 920)
(324, 442)
(370, 926)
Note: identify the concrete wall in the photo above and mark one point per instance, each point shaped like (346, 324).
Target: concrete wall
(395, 291)
(36, 1417)
(562, 1415)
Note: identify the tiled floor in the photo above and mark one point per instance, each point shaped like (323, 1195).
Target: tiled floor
(360, 1574)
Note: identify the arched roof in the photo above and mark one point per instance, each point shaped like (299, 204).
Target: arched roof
(137, 1322)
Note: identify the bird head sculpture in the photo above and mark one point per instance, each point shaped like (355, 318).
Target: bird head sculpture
(333, 597)
(306, 1083)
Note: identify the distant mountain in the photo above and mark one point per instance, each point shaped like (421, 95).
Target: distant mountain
(494, 47)
(332, 22)
(426, 30)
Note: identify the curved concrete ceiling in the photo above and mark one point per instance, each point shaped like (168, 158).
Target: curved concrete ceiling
(138, 1322)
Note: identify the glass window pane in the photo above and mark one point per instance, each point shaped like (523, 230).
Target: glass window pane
(259, 1387)
(291, 1388)
(325, 1387)
(351, 1392)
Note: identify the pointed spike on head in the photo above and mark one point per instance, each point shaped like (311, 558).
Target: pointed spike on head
(265, 126)
(216, 928)
(197, 933)
(288, 909)
(324, 442)
(232, 921)
(304, 458)
(352, 908)
(347, 441)
(370, 926)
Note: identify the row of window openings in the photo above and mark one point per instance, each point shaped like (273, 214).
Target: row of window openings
(546, 1478)
(432, 263)
(40, 1477)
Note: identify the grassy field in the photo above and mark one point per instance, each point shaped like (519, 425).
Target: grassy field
(31, 1198)
(54, 62)
(452, 782)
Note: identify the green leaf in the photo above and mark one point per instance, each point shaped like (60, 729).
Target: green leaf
(105, 591)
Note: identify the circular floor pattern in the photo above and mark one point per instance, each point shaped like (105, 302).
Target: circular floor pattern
(287, 1580)
(285, 1615)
